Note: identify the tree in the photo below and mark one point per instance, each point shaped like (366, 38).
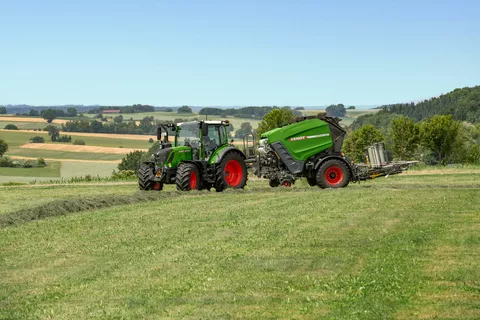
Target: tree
(11, 127)
(3, 110)
(3, 147)
(274, 119)
(351, 108)
(405, 137)
(53, 132)
(33, 113)
(336, 110)
(49, 115)
(37, 139)
(71, 112)
(299, 108)
(184, 109)
(360, 139)
(440, 134)
(118, 119)
(132, 161)
(245, 128)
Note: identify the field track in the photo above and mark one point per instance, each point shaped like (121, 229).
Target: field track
(78, 148)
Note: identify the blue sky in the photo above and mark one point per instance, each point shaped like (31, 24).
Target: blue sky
(236, 52)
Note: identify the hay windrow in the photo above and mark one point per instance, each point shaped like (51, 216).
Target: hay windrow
(65, 207)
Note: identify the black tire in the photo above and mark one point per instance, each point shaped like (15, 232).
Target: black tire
(312, 181)
(145, 178)
(273, 183)
(237, 179)
(333, 174)
(188, 177)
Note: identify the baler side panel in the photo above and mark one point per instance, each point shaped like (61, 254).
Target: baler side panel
(303, 139)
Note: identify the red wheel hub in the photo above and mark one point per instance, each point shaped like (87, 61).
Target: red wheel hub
(233, 173)
(334, 175)
(157, 186)
(287, 184)
(193, 180)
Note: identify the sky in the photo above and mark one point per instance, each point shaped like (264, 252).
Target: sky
(236, 53)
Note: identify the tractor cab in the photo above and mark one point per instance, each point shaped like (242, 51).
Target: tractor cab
(203, 138)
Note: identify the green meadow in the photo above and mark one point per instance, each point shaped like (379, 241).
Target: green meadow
(406, 247)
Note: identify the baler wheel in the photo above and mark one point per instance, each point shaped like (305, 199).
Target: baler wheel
(333, 174)
(231, 173)
(273, 183)
(188, 177)
(286, 184)
(145, 176)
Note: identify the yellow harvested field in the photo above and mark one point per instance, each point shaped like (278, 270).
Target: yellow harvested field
(28, 119)
(77, 148)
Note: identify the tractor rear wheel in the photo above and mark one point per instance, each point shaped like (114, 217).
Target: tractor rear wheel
(188, 177)
(231, 172)
(312, 181)
(333, 174)
(145, 178)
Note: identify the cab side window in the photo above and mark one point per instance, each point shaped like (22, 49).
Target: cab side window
(213, 138)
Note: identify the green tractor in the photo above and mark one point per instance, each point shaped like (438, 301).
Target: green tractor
(199, 157)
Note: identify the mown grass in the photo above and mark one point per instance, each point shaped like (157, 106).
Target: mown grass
(51, 170)
(402, 247)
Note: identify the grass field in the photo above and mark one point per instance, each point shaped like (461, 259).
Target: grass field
(51, 170)
(28, 125)
(403, 247)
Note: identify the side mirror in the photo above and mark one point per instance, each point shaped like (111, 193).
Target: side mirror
(204, 129)
(159, 133)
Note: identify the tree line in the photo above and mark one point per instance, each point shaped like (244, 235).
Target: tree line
(246, 112)
(146, 126)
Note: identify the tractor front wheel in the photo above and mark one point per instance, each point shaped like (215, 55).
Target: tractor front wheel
(188, 177)
(333, 174)
(145, 176)
(231, 172)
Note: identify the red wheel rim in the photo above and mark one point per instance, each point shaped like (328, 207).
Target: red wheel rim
(157, 186)
(287, 184)
(334, 175)
(193, 180)
(233, 173)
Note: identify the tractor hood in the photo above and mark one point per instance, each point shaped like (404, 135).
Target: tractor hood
(170, 157)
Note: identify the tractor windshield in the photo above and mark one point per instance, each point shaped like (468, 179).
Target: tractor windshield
(188, 134)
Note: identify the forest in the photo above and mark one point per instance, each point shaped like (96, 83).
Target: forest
(463, 104)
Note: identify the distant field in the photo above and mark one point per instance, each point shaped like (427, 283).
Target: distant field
(30, 119)
(16, 139)
(51, 170)
(406, 247)
(28, 125)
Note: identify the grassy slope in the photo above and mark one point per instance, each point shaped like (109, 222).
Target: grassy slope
(403, 247)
